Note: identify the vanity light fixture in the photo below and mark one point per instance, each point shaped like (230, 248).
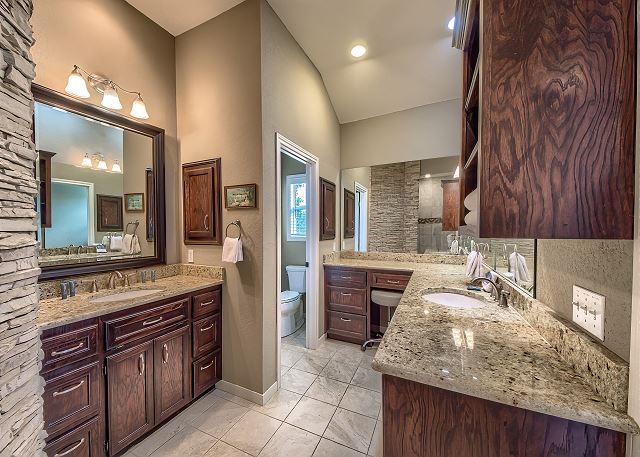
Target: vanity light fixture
(86, 161)
(452, 23)
(358, 51)
(77, 86)
(115, 168)
(456, 174)
(102, 165)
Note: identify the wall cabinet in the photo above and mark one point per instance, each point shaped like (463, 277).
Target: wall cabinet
(450, 204)
(548, 117)
(202, 202)
(327, 210)
(349, 214)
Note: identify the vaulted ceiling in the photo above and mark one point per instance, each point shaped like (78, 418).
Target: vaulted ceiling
(409, 63)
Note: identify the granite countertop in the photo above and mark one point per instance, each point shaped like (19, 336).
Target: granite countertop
(490, 352)
(55, 311)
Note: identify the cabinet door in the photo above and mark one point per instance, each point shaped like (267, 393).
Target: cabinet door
(327, 210)
(171, 365)
(202, 205)
(349, 214)
(450, 204)
(130, 395)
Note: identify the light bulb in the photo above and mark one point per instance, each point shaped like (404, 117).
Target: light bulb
(102, 165)
(86, 161)
(76, 85)
(115, 168)
(452, 23)
(358, 51)
(110, 98)
(139, 109)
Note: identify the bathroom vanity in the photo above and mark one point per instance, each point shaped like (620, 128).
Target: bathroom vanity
(116, 369)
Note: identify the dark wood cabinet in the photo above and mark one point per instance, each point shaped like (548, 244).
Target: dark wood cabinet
(171, 365)
(44, 169)
(109, 213)
(83, 441)
(130, 400)
(450, 204)
(548, 122)
(202, 202)
(327, 210)
(206, 372)
(349, 214)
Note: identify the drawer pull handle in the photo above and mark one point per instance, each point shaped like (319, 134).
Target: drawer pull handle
(345, 295)
(141, 364)
(70, 389)
(345, 277)
(69, 451)
(207, 303)
(392, 282)
(206, 222)
(155, 321)
(344, 319)
(165, 353)
(206, 367)
(67, 351)
(206, 329)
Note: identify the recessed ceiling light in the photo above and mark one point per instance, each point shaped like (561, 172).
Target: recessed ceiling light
(452, 23)
(358, 51)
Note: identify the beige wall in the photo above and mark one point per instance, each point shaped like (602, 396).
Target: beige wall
(603, 266)
(218, 87)
(112, 38)
(293, 252)
(425, 132)
(295, 103)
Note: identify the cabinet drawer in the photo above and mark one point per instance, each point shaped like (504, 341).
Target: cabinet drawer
(347, 278)
(83, 441)
(396, 281)
(131, 327)
(206, 303)
(206, 372)
(70, 347)
(348, 300)
(206, 335)
(347, 327)
(71, 397)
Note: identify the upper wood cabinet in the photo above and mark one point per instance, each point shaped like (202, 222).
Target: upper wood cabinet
(202, 206)
(349, 214)
(548, 117)
(327, 210)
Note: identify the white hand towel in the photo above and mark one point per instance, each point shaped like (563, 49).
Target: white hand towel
(126, 244)
(135, 245)
(518, 266)
(454, 247)
(486, 286)
(232, 250)
(116, 243)
(474, 264)
(105, 240)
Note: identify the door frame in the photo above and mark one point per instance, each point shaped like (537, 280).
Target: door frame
(359, 191)
(91, 226)
(312, 296)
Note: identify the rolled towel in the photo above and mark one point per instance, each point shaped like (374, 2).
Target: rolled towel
(116, 243)
(471, 218)
(471, 201)
(232, 250)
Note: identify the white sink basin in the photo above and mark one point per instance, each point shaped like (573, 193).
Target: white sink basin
(453, 300)
(126, 295)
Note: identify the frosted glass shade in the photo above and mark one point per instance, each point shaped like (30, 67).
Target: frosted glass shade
(139, 109)
(86, 161)
(110, 98)
(76, 85)
(115, 168)
(102, 165)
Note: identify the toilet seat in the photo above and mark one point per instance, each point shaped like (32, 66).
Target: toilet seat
(287, 296)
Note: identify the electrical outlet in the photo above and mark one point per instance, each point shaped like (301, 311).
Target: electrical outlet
(190, 255)
(588, 311)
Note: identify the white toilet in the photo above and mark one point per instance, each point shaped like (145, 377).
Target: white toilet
(291, 300)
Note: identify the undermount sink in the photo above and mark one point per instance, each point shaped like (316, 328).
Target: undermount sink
(453, 300)
(126, 295)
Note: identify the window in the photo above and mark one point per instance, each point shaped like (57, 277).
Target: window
(296, 207)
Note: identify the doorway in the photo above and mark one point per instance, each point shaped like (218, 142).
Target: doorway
(362, 207)
(297, 179)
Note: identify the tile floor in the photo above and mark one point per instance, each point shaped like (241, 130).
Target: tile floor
(328, 406)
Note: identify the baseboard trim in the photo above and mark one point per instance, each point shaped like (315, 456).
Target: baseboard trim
(322, 338)
(248, 394)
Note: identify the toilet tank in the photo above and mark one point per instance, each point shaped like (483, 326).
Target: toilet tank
(297, 278)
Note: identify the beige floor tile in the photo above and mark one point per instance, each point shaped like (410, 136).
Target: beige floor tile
(324, 350)
(222, 449)
(188, 441)
(234, 398)
(252, 432)
(289, 357)
(351, 429)
(376, 449)
(328, 448)
(327, 390)
(280, 405)
(290, 441)
(311, 415)
(366, 361)
(152, 442)
(194, 410)
(339, 370)
(362, 401)
(311, 363)
(297, 381)
(283, 370)
(217, 420)
(349, 353)
(368, 378)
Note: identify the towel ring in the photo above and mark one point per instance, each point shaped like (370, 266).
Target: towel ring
(237, 224)
(135, 228)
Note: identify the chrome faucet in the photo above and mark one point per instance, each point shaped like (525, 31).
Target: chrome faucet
(69, 248)
(497, 291)
(112, 279)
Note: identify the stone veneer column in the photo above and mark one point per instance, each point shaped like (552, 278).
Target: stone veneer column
(21, 419)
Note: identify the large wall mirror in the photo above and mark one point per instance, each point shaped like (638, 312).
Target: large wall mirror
(101, 188)
(414, 207)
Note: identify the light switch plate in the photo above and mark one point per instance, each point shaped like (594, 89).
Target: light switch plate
(190, 255)
(588, 311)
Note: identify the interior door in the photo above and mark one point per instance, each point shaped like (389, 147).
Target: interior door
(130, 395)
(171, 365)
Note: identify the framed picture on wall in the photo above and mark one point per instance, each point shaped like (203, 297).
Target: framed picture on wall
(109, 213)
(243, 196)
(134, 203)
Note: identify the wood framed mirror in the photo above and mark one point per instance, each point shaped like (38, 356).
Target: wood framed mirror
(90, 158)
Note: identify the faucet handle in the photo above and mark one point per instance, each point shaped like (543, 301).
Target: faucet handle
(126, 280)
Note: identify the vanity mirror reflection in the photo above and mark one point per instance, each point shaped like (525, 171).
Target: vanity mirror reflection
(414, 207)
(101, 179)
